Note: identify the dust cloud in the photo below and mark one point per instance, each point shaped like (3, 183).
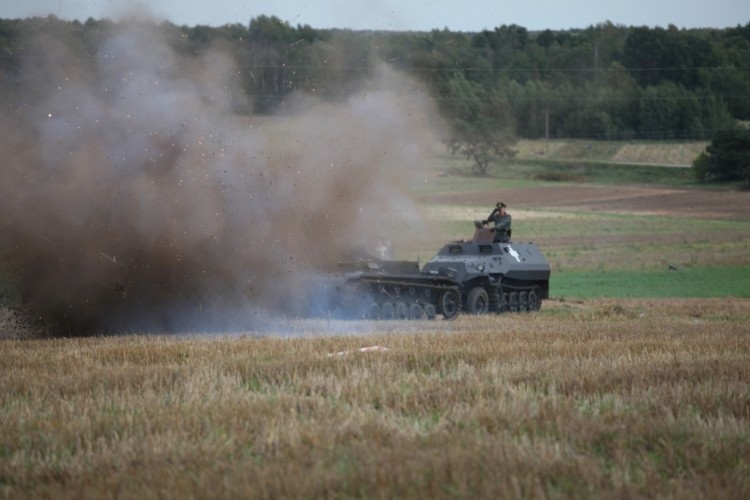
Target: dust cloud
(134, 198)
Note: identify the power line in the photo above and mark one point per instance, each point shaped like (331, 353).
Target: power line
(282, 66)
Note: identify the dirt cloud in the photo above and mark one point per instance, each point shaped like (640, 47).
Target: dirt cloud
(134, 197)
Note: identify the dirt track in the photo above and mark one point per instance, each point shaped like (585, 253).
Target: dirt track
(731, 205)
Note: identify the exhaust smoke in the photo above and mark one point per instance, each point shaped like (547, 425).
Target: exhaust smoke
(133, 197)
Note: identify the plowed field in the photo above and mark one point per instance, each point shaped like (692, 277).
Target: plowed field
(726, 205)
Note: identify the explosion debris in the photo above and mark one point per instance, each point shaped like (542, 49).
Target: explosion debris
(133, 197)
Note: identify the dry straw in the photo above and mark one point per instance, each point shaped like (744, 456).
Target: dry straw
(634, 399)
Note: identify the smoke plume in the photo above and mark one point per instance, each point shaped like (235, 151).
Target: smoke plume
(133, 197)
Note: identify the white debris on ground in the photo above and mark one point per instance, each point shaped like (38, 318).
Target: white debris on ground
(374, 348)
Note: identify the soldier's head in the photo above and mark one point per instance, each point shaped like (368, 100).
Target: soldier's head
(501, 206)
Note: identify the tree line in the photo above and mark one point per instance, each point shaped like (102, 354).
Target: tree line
(602, 82)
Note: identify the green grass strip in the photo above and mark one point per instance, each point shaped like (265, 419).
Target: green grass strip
(680, 283)
(600, 172)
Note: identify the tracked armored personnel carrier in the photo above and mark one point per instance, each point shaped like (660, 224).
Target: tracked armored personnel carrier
(476, 276)
(371, 288)
(494, 277)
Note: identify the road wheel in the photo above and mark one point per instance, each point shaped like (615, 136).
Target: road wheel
(450, 304)
(430, 312)
(523, 301)
(494, 304)
(402, 312)
(513, 302)
(505, 303)
(374, 313)
(477, 302)
(535, 301)
(416, 312)
(387, 311)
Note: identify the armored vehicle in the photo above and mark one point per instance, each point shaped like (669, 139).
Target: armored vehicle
(477, 276)
(494, 277)
(370, 288)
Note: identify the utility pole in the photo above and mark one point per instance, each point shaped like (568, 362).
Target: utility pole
(546, 132)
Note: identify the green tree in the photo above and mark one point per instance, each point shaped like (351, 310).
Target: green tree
(657, 55)
(481, 124)
(727, 158)
(278, 60)
(662, 110)
(604, 81)
(545, 39)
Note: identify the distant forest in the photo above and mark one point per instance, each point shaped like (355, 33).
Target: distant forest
(601, 82)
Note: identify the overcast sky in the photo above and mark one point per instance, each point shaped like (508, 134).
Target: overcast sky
(403, 15)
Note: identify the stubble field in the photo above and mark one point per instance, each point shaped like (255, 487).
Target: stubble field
(594, 397)
(599, 398)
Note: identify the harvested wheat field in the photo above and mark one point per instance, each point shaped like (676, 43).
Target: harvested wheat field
(598, 398)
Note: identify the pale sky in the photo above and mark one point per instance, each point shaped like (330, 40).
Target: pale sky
(403, 15)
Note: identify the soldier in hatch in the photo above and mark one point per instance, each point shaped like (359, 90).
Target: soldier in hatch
(502, 221)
